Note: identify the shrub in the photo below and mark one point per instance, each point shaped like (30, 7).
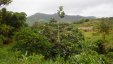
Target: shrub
(87, 58)
(27, 40)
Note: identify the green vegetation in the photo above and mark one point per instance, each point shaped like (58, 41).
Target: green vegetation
(54, 42)
(5, 2)
(104, 27)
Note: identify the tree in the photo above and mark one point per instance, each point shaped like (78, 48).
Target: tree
(14, 19)
(61, 14)
(104, 27)
(18, 20)
(5, 2)
(10, 22)
(52, 20)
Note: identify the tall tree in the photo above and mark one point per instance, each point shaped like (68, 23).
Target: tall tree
(61, 14)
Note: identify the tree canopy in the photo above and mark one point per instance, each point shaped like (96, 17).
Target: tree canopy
(5, 2)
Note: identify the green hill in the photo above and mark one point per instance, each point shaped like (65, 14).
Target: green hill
(46, 17)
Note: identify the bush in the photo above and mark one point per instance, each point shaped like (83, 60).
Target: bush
(104, 47)
(87, 58)
(8, 57)
(27, 40)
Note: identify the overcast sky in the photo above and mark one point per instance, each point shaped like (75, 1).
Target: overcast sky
(98, 8)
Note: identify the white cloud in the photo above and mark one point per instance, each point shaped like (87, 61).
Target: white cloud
(99, 11)
(99, 8)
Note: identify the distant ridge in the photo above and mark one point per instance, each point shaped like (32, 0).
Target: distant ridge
(46, 17)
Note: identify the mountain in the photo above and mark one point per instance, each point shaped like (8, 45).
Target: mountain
(46, 17)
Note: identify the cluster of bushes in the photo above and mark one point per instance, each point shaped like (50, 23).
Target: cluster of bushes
(43, 40)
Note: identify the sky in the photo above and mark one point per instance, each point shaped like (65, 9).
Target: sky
(97, 8)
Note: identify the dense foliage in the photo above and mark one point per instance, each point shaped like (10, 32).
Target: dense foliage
(44, 40)
(32, 42)
(54, 42)
(5, 2)
(9, 23)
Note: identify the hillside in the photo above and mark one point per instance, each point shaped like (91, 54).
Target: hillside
(46, 17)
